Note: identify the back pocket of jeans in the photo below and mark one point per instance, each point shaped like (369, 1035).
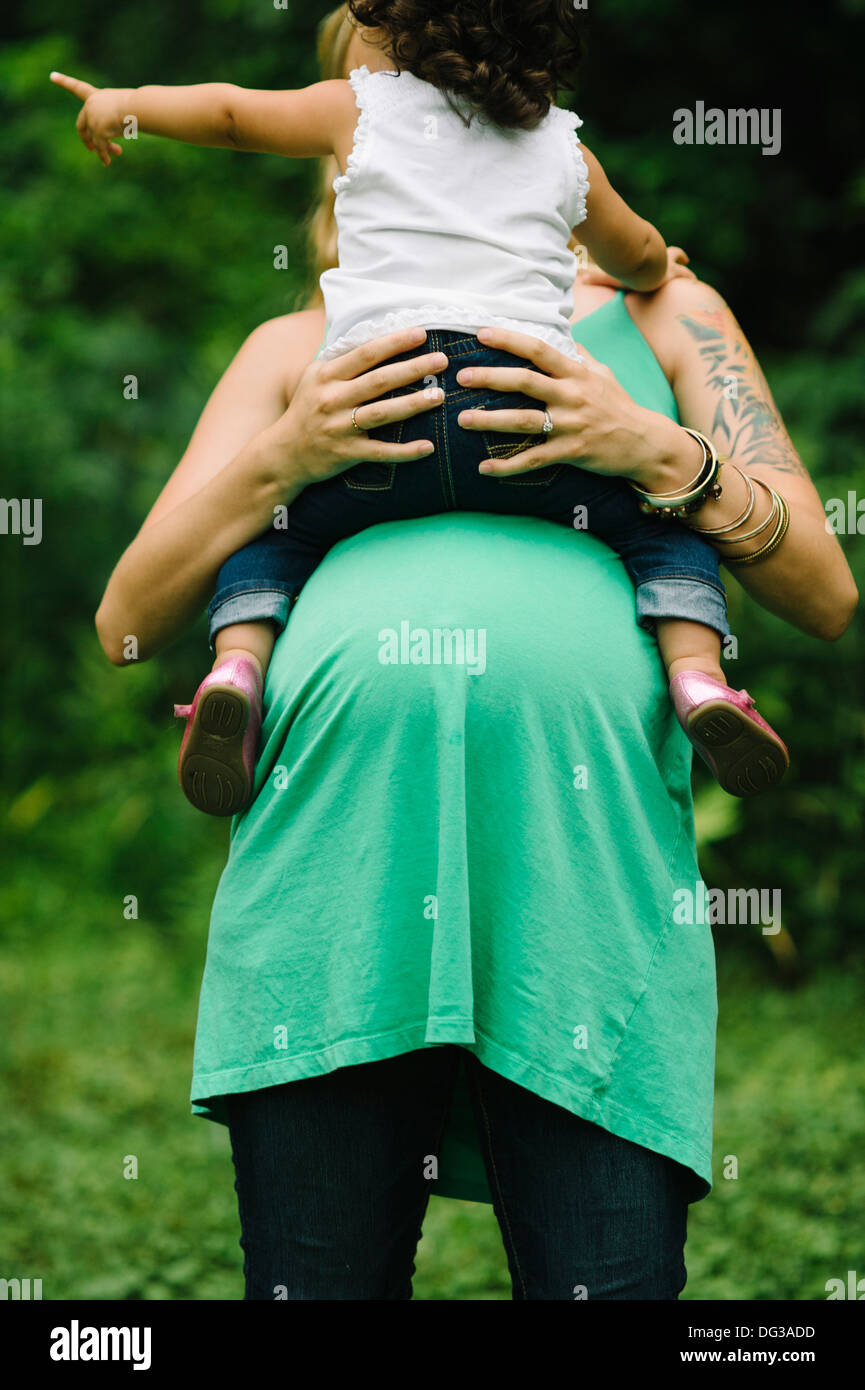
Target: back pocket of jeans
(372, 476)
(508, 446)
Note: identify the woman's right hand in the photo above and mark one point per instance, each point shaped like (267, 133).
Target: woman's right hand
(315, 439)
(249, 455)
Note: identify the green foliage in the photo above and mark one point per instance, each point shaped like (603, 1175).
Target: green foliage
(103, 1014)
(158, 267)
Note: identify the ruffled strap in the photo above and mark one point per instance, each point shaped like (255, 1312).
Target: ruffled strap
(363, 83)
(359, 79)
(571, 122)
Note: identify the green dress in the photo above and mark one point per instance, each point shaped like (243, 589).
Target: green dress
(483, 851)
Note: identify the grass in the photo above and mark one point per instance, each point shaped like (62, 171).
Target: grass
(102, 1020)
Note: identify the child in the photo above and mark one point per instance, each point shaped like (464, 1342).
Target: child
(463, 185)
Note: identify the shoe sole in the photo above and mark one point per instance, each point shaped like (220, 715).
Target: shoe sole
(746, 759)
(212, 771)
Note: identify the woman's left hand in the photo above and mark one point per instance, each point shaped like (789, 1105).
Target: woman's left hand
(596, 424)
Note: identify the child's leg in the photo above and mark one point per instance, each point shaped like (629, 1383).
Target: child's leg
(742, 750)
(689, 646)
(217, 757)
(676, 572)
(255, 640)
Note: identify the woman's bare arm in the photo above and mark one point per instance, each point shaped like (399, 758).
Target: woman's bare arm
(598, 426)
(721, 391)
(276, 422)
(206, 510)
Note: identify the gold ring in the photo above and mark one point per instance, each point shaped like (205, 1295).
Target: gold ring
(357, 427)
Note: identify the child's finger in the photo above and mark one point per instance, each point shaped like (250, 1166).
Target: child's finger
(115, 149)
(79, 89)
(98, 144)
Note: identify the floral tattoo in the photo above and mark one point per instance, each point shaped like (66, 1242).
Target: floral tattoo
(745, 415)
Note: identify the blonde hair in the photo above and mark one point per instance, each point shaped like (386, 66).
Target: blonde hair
(334, 40)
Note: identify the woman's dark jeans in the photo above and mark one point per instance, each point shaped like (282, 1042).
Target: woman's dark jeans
(332, 1187)
(676, 573)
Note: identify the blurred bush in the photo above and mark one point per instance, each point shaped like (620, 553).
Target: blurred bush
(159, 266)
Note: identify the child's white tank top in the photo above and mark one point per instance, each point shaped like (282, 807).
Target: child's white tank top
(447, 226)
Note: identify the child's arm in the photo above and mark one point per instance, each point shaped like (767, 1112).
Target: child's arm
(303, 124)
(626, 246)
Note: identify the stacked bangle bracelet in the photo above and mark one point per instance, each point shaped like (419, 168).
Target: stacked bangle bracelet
(705, 486)
(717, 532)
(779, 515)
(695, 494)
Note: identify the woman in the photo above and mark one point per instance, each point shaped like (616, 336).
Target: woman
(452, 897)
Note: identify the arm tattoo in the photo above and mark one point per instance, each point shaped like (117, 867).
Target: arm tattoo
(745, 415)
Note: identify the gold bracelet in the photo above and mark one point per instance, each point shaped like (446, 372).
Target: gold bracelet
(764, 525)
(740, 520)
(690, 499)
(772, 544)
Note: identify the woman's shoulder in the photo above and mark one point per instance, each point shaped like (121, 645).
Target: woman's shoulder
(286, 344)
(301, 325)
(678, 296)
(668, 317)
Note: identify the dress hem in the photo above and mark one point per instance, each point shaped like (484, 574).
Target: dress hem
(616, 1119)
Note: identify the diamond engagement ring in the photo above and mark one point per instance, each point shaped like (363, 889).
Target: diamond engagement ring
(548, 423)
(354, 420)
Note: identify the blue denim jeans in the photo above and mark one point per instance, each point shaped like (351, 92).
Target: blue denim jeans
(331, 1186)
(675, 572)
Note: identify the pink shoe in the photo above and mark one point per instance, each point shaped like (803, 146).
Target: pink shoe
(217, 756)
(742, 751)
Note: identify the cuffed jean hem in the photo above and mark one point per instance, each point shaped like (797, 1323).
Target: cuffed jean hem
(693, 600)
(252, 606)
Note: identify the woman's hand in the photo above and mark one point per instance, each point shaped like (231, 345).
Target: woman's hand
(100, 120)
(596, 424)
(248, 456)
(316, 438)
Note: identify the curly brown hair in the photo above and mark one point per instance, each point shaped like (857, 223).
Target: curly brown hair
(503, 59)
